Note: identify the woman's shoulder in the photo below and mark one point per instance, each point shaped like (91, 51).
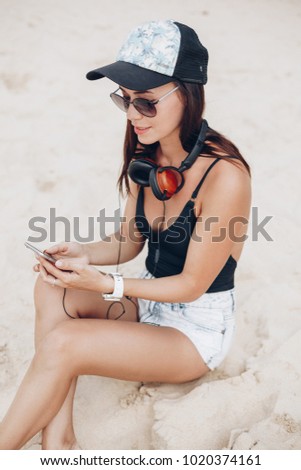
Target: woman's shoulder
(230, 176)
(229, 167)
(224, 167)
(227, 176)
(231, 172)
(231, 184)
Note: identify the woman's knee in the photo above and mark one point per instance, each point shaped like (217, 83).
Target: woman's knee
(42, 290)
(55, 350)
(48, 299)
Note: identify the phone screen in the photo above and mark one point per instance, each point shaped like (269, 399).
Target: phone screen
(40, 253)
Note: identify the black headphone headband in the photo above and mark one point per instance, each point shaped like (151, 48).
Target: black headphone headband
(191, 158)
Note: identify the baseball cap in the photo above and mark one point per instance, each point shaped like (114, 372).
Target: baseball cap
(156, 53)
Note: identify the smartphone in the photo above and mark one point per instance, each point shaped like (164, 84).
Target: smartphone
(40, 253)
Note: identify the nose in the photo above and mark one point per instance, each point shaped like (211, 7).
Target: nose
(133, 114)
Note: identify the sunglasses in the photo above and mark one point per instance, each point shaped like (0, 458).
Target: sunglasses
(143, 106)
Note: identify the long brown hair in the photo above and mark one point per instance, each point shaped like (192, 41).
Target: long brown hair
(216, 144)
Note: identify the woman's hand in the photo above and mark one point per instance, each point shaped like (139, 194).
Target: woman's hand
(73, 273)
(69, 250)
(66, 250)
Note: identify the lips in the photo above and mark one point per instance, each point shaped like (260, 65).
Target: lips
(141, 130)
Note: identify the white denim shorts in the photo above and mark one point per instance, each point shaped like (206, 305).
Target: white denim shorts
(209, 321)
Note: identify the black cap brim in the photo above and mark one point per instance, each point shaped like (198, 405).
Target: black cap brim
(130, 76)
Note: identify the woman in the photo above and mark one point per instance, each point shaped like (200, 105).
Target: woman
(194, 214)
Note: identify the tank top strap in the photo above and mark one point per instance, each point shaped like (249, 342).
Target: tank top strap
(195, 192)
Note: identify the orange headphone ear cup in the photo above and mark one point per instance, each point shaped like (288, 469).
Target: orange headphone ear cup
(164, 183)
(167, 182)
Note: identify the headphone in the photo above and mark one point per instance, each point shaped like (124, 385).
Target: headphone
(165, 181)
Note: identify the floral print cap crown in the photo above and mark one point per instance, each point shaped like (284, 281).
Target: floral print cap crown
(153, 46)
(156, 53)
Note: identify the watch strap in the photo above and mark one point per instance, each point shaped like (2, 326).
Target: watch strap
(117, 293)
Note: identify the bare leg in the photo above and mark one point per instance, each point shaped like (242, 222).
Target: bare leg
(49, 312)
(59, 433)
(124, 350)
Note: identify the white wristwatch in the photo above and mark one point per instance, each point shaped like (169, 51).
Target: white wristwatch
(117, 293)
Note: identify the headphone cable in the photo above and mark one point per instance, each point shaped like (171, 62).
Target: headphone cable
(117, 267)
(157, 252)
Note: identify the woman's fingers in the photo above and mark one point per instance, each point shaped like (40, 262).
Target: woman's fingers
(50, 278)
(51, 268)
(71, 273)
(59, 249)
(68, 250)
(46, 276)
(70, 265)
(65, 276)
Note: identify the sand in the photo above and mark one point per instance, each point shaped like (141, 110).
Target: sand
(61, 145)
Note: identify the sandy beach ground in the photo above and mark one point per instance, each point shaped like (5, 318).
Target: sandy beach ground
(61, 148)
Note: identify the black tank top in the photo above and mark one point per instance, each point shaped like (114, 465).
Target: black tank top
(167, 249)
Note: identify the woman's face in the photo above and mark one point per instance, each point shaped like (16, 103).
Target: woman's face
(165, 126)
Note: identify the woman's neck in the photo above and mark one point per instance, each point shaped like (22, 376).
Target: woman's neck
(170, 153)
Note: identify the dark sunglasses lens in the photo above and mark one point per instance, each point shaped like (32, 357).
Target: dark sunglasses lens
(120, 102)
(145, 107)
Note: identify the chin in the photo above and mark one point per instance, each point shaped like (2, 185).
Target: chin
(146, 140)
